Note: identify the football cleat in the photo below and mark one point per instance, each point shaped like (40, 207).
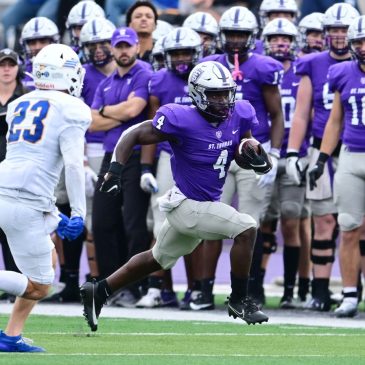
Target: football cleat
(92, 303)
(151, 300)
(318, 305)
(247, 310)
(204, 301)
(168, 298)
(347, 309)
(17, 344)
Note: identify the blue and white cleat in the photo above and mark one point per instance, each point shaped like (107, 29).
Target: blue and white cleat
(17, 344)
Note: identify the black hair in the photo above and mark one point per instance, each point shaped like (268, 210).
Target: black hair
(137, 4)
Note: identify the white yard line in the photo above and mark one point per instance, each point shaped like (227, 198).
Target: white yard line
(276, 317)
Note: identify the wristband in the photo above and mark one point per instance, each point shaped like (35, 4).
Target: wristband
(292, 154)
(146, 167)
(116, 168)
(323, 157)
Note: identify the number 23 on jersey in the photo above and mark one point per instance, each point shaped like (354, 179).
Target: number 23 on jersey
(27, 124)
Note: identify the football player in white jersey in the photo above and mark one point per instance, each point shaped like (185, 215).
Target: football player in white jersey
(46, 131)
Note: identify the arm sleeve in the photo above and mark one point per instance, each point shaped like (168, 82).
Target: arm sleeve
(72, 149)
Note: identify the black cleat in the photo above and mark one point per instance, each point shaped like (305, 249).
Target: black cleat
(247, 310)
(204, 301)
(92, 303)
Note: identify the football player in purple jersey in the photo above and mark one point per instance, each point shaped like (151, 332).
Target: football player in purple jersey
(182, 51)
(203, 140)
(258, 78)
(314, 103)
(288, 200)
(37, 33)
(207, 28)
(273, 9)
(79, 14)
(346, 122)
(311, 35)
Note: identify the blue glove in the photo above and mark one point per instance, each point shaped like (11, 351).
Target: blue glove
(62, 225)
(74, 228)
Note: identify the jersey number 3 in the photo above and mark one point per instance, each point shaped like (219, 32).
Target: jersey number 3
(24, 127)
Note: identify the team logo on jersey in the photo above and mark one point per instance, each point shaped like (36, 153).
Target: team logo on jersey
(362, 80)
(218, 134)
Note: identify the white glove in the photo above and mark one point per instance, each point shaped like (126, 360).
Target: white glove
(269, 178)
(90, 180)
(148, 183)
(294, 167)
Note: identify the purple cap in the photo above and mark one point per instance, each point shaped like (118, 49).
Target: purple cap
(124, 34)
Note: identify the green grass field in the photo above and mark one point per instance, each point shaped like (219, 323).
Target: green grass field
(129, 341)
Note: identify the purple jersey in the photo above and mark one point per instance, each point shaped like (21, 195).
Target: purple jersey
(349, 81)
(203, 152)
(92, 79)
(288, 91)
(169, 88)
(259, 47)
(257, 71)
(316, 66)
(28, 80)
(115, 89)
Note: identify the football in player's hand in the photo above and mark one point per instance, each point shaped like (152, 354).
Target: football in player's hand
(246, 151)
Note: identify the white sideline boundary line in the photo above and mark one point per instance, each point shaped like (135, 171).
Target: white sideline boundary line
(189, 355)
(215, 316)
(202, 334)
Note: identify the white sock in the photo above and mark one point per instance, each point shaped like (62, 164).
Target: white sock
(13, 283)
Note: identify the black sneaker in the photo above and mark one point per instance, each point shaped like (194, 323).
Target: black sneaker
(247, 310)
(92, 303)
(204, 301)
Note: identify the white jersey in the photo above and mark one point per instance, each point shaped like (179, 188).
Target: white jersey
(42, 124)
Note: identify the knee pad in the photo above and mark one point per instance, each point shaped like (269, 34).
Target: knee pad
(348, 222)
(290, 209)
(323, 245)
(269, 238)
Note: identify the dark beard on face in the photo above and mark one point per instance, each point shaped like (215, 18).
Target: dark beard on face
(127, 63)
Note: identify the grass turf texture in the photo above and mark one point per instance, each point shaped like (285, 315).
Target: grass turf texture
(129, 341)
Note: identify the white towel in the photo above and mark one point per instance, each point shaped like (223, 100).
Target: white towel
(171, 199)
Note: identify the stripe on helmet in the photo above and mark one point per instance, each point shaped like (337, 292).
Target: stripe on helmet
(359, 29)
(236, 16)
(203, 20)
(83, 11)
(178, 36)
(280, 24)
(93, 24)
(36, 25)
(219, 67)
(338, 16)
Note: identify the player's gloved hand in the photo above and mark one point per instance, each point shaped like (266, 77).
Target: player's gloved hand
(74, 228)
(317, 170)
(270, 177)
(90, 180)
(62, 224)
(294, 167)
(112, 184)
(148, 182)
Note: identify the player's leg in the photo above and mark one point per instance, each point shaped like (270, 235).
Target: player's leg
(210, 252)
(33, 253)
(351, 210)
